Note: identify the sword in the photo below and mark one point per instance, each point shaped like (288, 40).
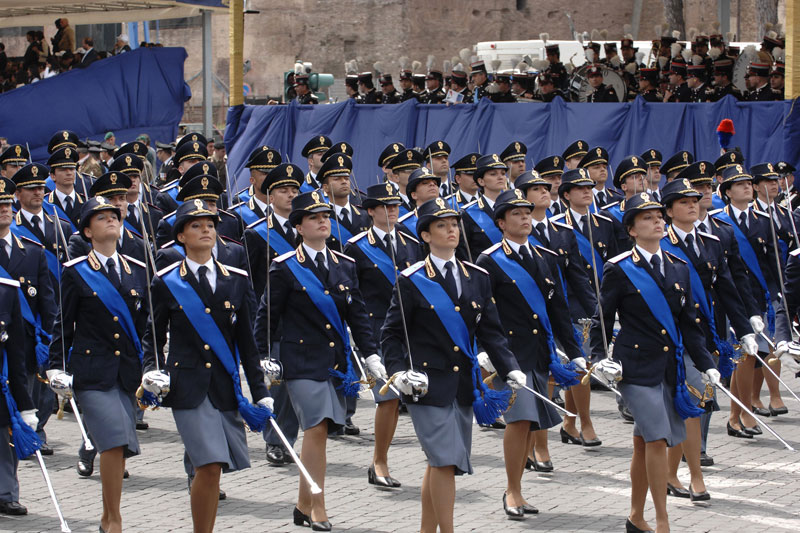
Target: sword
(314, 487)
(64, 527)
(768, 367)
(736, 400)
(548, 401)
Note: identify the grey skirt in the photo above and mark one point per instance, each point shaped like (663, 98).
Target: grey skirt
(213, 436)
(445, 434)
(110, 418)
(697, 389)
(314, 401)
(654, 413)
(528, 407)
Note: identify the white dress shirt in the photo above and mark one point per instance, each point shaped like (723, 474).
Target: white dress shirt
(211, 275)
(439, 263)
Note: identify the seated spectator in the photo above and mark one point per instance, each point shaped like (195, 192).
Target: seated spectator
(122, 45)
(90, 54)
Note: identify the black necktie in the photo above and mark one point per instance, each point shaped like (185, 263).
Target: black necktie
(4, 256)
(68, 207)
(205, 285)
(111, 269)
(655, 262)
(321, 265)
(690, 246)
(289, 232)
(555, 208)
(132, 213)
(37, 228)
(743, 219)
(540, 227)
(450, 281)
(387, 240)
(702, 227)
(583, 223)
(601, 199)
(344, 217)
(527, 260)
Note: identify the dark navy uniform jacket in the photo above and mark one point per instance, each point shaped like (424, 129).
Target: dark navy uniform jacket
(195, 372)
(28, 266)
(98, 351)
(259, 254)
(14, 347)
(738, 270)
(603, 238)
(644, 348)
(449, 370)
(164, 201)
(475, 237)
(50, 233)
(75, 217)
(525, 334)
(309, 344)
(375, 287)
(792, 281)
(359, 221)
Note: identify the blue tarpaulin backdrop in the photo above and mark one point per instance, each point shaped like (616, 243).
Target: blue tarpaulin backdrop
(767, 131)
(133, 93)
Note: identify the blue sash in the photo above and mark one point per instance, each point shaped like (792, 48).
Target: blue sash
(275, 239)
(587, 249)
(54, 210)
(700, 296)
(484, 222)
(402, 210)
(42, 338)
(24, 439)
(657, 303)
(244, 196)
(177, 247)
(338, 231)
(172, 192)
(616, 211)
(411, 222)
(488, 404)
(749, 257)
(52, 260)
(306, 187)
(131, 228)
(248, 215)
(717, 202)
(324, 302)
(564, 376)
(206, 328)
(49, 184)
(378, 257)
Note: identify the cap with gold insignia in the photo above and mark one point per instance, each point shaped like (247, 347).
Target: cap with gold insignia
(651, 157)
(432, 210)
(576, 177)
(193, 137)
(204, 168)
(338, 148)
(550, 165)
(189, 211)
(676, 189)
(418, 176)
(595, 156)
(31, 176)
(576, 149)
(467, 164)
(136, 148)
(264, 159)
(284, 175)
(308, 204)
(110, 184)
(389, 152)
(528, 179)
(488, 162)
(7, 188)
(61, 139)
(90, 208)
(66, 157)
(15, 155)
(205, 187)
(629, 166)
(678, 161)
(436, 149)
(510, 199)
(728, 159)
(764, 171)
(318, 143)
(639, 203)
(515, 151)
(697, 173)
(190, 150)
(127, 162)
(381, 194)
(406, 160)
(731, 175)
(336, 164)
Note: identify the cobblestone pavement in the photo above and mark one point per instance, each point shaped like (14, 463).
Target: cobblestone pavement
(754, 484)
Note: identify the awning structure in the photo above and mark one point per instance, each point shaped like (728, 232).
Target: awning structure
(16, 13)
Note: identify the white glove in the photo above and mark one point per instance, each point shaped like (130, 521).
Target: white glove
(486, 363)
(516, 379)
(156, 382)
(610, 370)
(711, 376)
(749, 344)
(757, 323)
(375, 367)
(580, 362)
(792, 349)
(30, 418)
(60, 382)
(273, 370)
(412, 383)
(267, 402)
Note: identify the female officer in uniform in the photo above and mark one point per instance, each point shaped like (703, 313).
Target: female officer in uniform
(205, 307)
(314, 292)
(650, 290)
(98, 331)
(445, 304)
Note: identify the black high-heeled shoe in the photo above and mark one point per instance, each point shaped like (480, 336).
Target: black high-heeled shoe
(513, 513)
(593, 442)
(678, 492)
(382, 482)
(760, 411)
(630, 527)
(300, 518)
(698, 496)
(543, 466)
(775, 411)
(567, 438)
(529, 509)
(755, 430)
(738, 433)
(321, 526)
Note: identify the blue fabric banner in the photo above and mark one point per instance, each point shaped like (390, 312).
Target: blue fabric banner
(765, 131)
(142, 91)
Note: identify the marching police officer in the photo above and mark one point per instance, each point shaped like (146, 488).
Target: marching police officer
(348, 220)
(64, 198)
(478, 216)
(422, 186)
(595, 161)
(630, 177)
(463, 177)
(191, 149)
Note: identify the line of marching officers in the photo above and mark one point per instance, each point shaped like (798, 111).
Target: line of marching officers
(458, 298)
